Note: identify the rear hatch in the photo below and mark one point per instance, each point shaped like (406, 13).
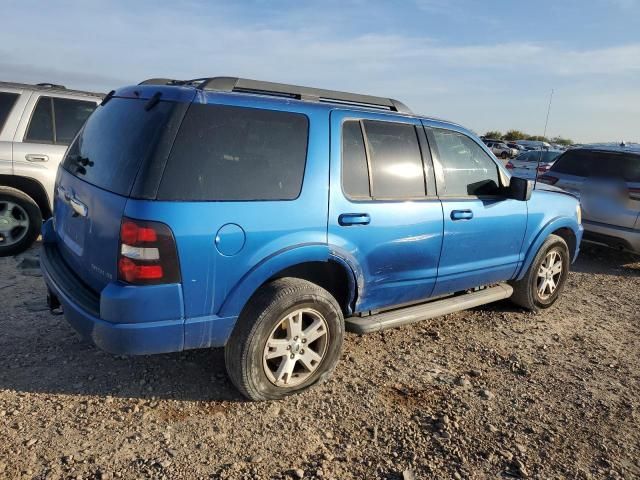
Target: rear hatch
(125, 138)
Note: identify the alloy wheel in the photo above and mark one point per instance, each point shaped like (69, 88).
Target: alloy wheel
(14, 223)
(549, 274)
(296, 347)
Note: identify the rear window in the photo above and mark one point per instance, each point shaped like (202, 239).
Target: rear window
(588, 163)
(7, 100)
(115, 141)
(236, 154)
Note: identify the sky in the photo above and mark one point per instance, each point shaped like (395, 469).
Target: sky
(488, 65)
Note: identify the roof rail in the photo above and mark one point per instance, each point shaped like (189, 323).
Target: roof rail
(244, 85)
(51, 85)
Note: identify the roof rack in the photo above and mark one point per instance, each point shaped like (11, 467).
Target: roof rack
(51, 85)
(244, 85)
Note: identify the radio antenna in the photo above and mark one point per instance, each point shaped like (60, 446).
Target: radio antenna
(544, 135)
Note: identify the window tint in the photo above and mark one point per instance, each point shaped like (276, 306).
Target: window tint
(232, 153)
(585, 163)
(396, 163)
(70, 115)
(355, 173)
(468, 170)
(41, 124)
(7, 100)
(115, 141)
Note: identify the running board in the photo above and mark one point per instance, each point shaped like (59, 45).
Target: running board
(424, 311)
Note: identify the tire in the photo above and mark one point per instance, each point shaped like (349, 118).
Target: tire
(271, 316)
(504, 155)
(526, 291)
(20, 221)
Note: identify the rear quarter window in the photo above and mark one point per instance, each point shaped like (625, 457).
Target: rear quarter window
(229, 153)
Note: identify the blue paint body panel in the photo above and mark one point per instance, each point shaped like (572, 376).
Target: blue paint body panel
(409, 250)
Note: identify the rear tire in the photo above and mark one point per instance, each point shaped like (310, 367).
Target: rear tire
(504, 155)
(546, 277)
(288, 338)
(20, 221)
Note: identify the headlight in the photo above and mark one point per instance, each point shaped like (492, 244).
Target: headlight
(579, 213)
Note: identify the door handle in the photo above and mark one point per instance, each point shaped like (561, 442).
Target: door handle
(36, 157)
(347, 219)
(461, 215)
(78, 207)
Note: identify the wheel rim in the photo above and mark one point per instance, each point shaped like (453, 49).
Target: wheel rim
(549, 274)
(295, 347)
(14, 223)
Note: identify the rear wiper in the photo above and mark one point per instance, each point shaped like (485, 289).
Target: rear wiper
(153, 101)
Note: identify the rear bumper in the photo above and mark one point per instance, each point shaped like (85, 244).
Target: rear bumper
(616, 237)
(127, 320)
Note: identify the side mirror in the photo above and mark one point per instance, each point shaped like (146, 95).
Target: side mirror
(520, 189)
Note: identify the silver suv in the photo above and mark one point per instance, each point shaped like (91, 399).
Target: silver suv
(37, 123)
(501, 150)
(606, 178)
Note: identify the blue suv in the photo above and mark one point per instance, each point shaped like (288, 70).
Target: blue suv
(266, 218)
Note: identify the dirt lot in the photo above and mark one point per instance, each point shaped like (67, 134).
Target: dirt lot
(495, 392)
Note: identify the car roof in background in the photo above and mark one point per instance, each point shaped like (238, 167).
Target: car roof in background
(49, 88)
(633, 148)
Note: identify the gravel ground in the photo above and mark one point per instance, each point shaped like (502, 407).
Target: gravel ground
(494, 392)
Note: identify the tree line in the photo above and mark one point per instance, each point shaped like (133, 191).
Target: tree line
(513, 135)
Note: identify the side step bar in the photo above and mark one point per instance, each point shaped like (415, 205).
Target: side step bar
(424, 311)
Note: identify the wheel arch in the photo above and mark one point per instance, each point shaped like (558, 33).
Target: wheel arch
(313, 263)
(564, 227)
(32, 188)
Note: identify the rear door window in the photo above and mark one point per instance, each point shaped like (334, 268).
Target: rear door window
(7, 101)
(230, 153)
(69, 116)
(57, 120)
(397, 171)
(116, 140)
(40, 128)
(355, 172)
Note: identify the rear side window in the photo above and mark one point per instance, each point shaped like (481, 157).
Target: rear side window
(468, 170)
(115, 141)
(589, 163)
(235, 154)
(57, 120)
(69, 116)
(7, 101)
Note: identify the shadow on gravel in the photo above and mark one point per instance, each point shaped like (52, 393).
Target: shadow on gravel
(60, 362)
(597, 259)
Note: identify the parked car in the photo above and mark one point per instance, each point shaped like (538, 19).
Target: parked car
(500, 149)
(37, 123)
(526, 164)
(266, 218)
(606, 178)
(534, 144)
(518, 147)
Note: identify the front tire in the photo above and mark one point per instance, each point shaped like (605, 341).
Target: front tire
(544, 281)
(20, 221)
(504, 155)
(288, 338)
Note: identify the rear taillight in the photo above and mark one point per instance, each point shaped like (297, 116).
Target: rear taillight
(543, 169)
(548, 179)
(509, 165)
(148, 254)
